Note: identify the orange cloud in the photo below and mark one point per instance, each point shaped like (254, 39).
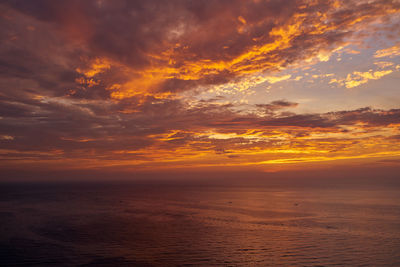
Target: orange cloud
(388, 52)
(309, 31)
(359, 78)
(106, 85)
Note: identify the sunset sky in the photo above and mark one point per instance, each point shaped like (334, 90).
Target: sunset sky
(195, 85)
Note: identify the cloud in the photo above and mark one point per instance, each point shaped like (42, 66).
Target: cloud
(149, 48)
(383, 64)
(167, 130)
(358, 78)
(388, 52)
(93, 83)
(276, 105)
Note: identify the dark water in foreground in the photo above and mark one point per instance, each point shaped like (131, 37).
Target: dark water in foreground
(181, 224)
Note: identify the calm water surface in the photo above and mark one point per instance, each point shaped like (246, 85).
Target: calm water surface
(170, 224)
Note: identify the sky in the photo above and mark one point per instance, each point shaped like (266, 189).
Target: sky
(144, 86)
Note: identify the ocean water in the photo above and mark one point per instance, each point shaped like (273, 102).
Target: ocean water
(179, 224)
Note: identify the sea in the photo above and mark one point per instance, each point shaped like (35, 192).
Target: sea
(185, 223)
